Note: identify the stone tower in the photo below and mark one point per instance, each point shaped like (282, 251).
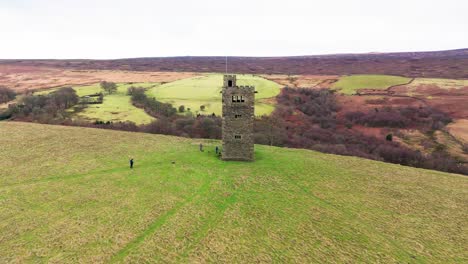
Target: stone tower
(238, 120)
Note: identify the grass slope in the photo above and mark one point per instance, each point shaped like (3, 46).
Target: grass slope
(351, 84)
(67, 195)
(205, 90)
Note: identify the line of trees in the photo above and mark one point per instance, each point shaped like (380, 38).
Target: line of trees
(50, 108)
(152, 106)
(170, 123)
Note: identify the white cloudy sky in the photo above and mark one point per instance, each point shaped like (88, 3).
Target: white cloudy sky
(103, 29)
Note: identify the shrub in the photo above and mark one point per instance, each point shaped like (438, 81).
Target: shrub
(269, 131)
(6, 94)
(137, 93)
(181, 108)
(400, 117)
(465, 148)
(389, 137)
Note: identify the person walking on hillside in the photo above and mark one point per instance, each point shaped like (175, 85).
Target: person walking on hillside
(131, 163)
(216, 150)
(201, 147)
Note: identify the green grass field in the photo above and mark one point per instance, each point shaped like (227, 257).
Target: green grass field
(205, 90)
(67, 195)
(115, 107)
(351, 84)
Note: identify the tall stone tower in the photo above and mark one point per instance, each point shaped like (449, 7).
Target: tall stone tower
(238, 120)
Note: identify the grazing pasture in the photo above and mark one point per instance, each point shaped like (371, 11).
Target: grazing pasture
(441, 83)
(115, 107)
(350, 85)
(304, 81)
(205, 90)
(84, 204)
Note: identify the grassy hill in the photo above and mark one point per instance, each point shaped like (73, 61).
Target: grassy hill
(67, 195)
(205, 90)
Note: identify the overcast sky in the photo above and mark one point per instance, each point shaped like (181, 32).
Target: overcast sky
(106, 29)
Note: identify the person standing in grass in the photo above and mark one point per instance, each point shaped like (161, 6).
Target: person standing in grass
(216, 150)
(201, 147)
(131, 163)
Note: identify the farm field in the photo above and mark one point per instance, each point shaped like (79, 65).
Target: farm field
(441, 83)
(306, 81)
(349, 85)
(182, 205)
(432, 88)
(115, 107)
(205, 90)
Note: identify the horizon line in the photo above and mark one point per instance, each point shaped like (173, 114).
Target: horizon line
(244, 56)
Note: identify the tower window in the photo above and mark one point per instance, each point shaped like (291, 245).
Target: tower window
(230, 83)
(237, 136)
(237, 116)
(237, 99)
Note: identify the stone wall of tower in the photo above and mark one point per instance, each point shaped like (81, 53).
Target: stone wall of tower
(238, 120)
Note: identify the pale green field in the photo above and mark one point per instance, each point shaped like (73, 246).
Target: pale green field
(351, 84)
(205, 90)
(68, 196)
(442, 83)
(115, 107)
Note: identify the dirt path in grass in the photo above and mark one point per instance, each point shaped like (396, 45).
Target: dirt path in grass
(160, 221)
